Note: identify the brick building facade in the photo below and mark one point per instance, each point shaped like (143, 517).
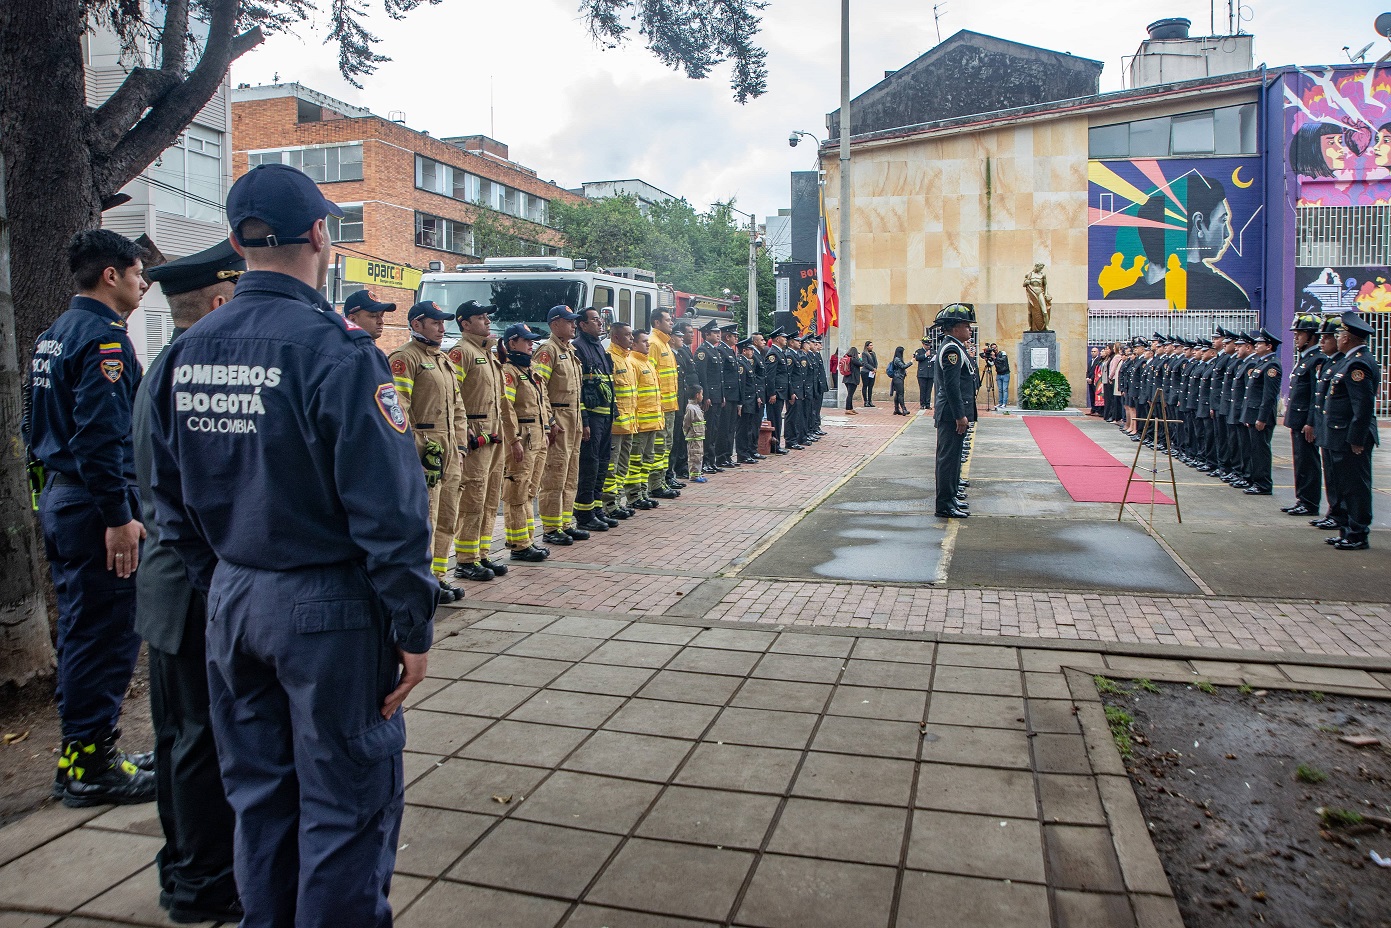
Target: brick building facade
(409, 198)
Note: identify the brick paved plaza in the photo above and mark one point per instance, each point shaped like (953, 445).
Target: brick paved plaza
(654, 730)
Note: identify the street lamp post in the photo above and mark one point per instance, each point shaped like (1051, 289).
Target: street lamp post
(753, 271)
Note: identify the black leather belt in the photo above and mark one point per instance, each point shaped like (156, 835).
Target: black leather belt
(526, 421)
(561, 405)
(479, 417)
(63, 480)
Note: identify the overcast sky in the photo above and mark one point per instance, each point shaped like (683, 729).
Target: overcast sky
(577, 112)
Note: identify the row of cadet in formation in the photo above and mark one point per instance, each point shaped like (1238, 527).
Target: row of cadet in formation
(1212, 403)
(578, 433)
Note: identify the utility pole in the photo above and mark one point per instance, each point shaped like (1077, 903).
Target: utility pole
(846, 328)
(753, 269)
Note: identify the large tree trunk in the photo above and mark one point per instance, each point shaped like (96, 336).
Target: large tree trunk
(25, 649)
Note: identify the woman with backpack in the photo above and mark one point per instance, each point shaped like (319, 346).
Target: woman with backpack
(897, 371)
(850, 376)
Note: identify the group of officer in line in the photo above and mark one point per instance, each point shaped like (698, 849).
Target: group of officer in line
(1213, 404)
(253, 507)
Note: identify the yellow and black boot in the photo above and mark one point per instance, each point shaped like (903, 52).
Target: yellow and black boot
(99, 774)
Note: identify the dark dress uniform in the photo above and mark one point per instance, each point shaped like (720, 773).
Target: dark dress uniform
(923, 357)
(1308, 475)
(686, 382)
(1262, 397)
(82, 383)
(954, 381)
(729, 420)
(710, 369)
(776, 394)
(746, 441)
(1239, 466)
(195, 865)
(816, 367)
(1336, 513)
(596, 407)
(1349, 410)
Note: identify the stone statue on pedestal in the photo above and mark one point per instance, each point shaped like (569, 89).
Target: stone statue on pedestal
(1040, 300)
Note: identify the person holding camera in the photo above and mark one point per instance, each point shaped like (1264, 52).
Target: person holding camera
(1001, 361)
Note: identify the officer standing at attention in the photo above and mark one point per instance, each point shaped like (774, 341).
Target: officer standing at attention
(427, 388)
(625, 422)
(195, 865)
(1308, 475)
(925, 362)
(954, 382)
(777, 379)
(556, 363)
(642, 478)
(1350, 409)
(710, 368)
(479, 374)
(797, 393)
(526, 416)
(750, 405)
(816, 366)
(366, 313)
(1317, 430)
(82, 382)
(686, 382)
(729, 335)
(596, 407)
(1262, 397)
(285, 478)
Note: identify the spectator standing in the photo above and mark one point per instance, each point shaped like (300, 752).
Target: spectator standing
(1002, 377)
(898, 372)
(835, 369)
(850, 375)
(869, 369)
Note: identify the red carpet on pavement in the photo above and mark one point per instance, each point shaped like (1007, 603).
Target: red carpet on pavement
(1088, 472)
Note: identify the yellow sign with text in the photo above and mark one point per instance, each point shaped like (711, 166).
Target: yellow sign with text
(381, 273)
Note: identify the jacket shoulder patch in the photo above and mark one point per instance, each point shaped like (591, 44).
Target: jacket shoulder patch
(1358, 374)
(456, 356)
(112, 369)
(398, 366)
(390, 407)
(1273, 372)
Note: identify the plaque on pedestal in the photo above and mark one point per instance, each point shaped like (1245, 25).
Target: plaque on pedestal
(1037, 350)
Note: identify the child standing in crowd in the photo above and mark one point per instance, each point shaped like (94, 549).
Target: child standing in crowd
(693, 427)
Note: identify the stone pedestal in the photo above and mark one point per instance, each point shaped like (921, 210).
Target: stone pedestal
(1036, 350)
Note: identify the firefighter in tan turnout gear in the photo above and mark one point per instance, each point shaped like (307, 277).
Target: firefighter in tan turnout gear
(428, 391)
(556, 363)
(526, 416)
(480, 384)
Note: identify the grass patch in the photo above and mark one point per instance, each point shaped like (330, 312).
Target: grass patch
(1121, 722)
(1245, 689)
(1147, 685)
(1306, 774)
(1344, 817)
(1206, 687)
(1316, 696)
(1108, 687)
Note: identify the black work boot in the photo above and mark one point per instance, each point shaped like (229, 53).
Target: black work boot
(475, 571)
(497, 569)
(97, 775)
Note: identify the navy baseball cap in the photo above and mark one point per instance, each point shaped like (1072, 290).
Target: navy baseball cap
(561, 312)
(284, 198)
(362, 301)
(470, 308)
(519, 330)
(427, 310)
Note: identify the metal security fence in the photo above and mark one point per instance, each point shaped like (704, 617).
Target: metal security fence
(1380, 343)
(1343, 236)
(1104, 327)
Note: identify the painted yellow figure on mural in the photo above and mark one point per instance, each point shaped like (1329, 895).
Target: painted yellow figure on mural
(1176, 285)
(1116, 276)
(806, 307)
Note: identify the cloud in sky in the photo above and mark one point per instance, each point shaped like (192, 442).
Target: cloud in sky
(575, 111)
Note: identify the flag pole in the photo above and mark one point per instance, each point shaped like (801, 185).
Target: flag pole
(846, 322)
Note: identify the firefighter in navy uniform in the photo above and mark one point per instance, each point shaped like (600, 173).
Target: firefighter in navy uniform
(1317, 430)
(954, 381)
(1262, 398)
(775, 364)
(195, 865)
(1308, 475)
(729, 337)
(1239, 472)
(816, 369)
(1349, 407)
(686, 381)
(797, 438)
(82, 383)
(750, 404)
(710, 369)
(286, 478)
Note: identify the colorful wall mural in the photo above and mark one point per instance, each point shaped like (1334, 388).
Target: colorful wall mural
(1339, 289)
(1338, 123)
(1177, 233)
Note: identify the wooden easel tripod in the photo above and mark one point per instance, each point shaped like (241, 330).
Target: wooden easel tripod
(1157, 405)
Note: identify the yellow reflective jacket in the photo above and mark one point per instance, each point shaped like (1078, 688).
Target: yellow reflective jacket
(664, 362)
(649, 400)
(625, 392)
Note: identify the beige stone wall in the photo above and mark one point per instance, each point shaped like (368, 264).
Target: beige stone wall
(964, 217)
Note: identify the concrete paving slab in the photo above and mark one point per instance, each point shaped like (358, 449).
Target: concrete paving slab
(524, 743)
(72, 868)
(691, 687)
(554, 647)
(636, 757)
(783, 695)
(855, 778)
(593, 916)
(978, 680)
(929, 900)
(981, 711)
(869, 834)
(878, 703)
(582, 800)
(602, 679)
(633, 653)
(895, 650)
(662, 717)
(518, 671)
(432, 839)
(799, 668)
(471, 785)
(822, 645)
(657, 634)
(975, 655)
(27, 920)
(1071, 800)
(718, 818)
(867, 737)
(984, 791)
(448, 905)
(1082, 857)
(714, 660)
(507, 859)
(698, 882)
(562, 707)
(800, 892)
(887, 674)
(133, 900)
(472, 697)
(976, 845)
(981, 747)
(440, 732)
(1093, 910)
(451, 665)
(739, 767)
(763, 728)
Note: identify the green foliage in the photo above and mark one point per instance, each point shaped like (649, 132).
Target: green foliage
(1345, 817)
(1121, 723)
(1206, 687)
(1307, 774)
(704, 253)
(1045, 389)
(1245, 689)
(1108, 687)
(1316, 696)
(1147, 685)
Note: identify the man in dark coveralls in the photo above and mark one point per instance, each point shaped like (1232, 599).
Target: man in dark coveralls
(954, 381)
(82, 381)
(195, 865)
(285, 478)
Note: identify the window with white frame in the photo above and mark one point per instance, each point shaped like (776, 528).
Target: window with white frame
(348, 227)
(443, 234)
(325, 164)
(187, 177)
(457, 184)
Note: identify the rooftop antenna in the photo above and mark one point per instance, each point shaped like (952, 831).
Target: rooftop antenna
(1360, 54)
(492, 119)
(937, 10)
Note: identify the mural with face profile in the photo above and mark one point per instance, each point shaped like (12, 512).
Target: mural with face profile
(1339, 126)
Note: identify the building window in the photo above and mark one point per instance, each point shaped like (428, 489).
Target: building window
(443, 234)
(1343, 237)
(457, 184)
(1230, 130)
(348, 227)
(325, 165)
(187, 178)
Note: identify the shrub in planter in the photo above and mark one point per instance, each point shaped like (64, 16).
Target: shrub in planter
(1045, 389)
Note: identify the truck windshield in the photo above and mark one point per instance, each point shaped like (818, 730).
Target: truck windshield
(516, 300)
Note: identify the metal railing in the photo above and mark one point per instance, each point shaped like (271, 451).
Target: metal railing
(1105, 327)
